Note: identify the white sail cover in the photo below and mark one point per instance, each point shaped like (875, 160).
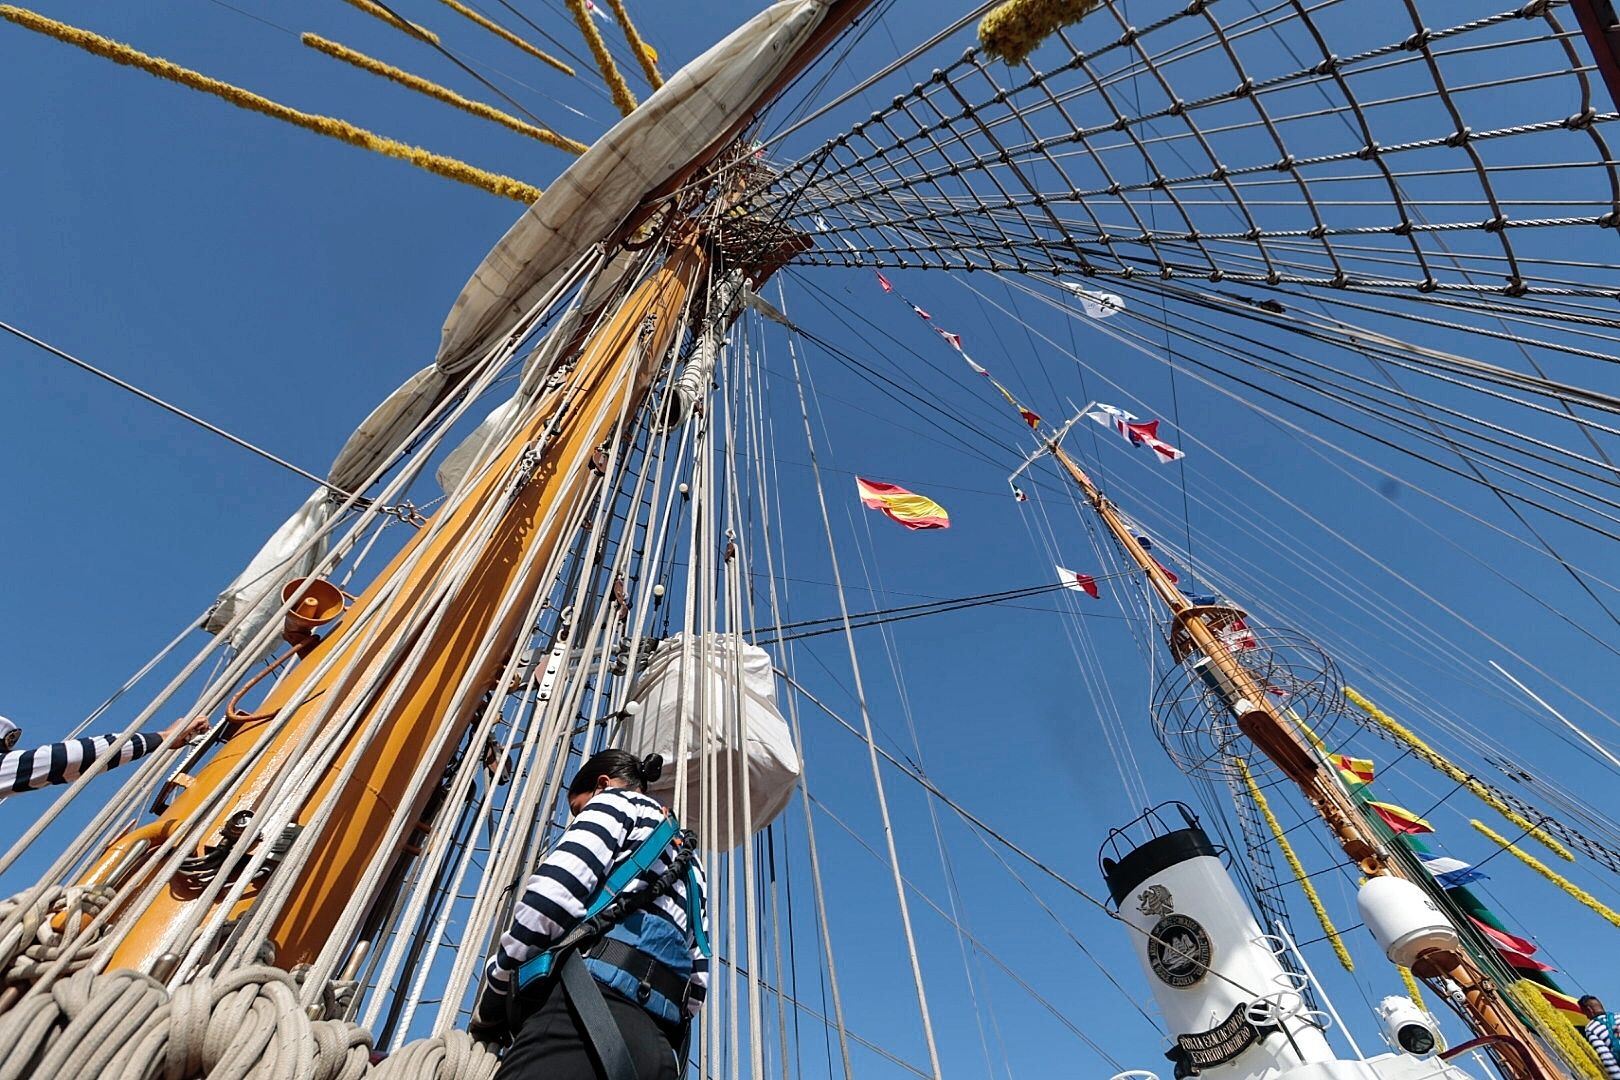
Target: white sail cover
(698, 691)
(453, 469)
(380, 435)
(604, 184)
(256, 592)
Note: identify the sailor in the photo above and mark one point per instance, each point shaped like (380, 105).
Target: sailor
(63, 762)
(1600, 1033)
(593, 993)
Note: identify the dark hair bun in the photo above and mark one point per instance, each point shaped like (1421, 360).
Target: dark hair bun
(651, 768)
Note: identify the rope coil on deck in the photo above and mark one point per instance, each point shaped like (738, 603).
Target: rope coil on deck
(248, 1025)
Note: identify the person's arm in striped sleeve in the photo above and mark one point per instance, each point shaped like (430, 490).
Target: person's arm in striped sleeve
(63, 762)
(555, 896)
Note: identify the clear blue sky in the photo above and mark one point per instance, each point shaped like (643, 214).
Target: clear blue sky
(280, 284)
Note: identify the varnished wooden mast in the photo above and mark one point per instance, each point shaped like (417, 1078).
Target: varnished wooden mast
(583, 411)
(1273, 734)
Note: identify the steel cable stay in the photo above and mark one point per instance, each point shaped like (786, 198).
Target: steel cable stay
(1148, 348)
(1406, 632)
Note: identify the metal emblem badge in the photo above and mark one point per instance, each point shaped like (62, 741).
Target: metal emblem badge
(1155, 900)
(1179, 951)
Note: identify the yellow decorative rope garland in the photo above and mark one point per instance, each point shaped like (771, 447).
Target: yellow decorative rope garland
(1547, 872)
(1294, 864)
(506, 35)
(1558, 1030)
(622, 97)
(1441, 765)
(643, 53)
(395, 21)
(439, 93)
(447, 167)
(1015, 29)
(1412, 990)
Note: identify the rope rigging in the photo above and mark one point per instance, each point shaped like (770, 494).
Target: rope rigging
(627, 504)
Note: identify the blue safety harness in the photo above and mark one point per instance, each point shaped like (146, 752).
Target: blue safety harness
(638, 954)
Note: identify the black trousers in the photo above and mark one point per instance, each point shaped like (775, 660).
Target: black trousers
(551, 1042)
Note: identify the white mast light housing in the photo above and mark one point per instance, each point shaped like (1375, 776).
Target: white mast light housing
(1403, 919)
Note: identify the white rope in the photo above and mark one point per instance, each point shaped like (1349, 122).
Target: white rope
(866, 720)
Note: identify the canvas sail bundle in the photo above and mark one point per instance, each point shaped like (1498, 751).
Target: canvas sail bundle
(601, 188)
(694, 683)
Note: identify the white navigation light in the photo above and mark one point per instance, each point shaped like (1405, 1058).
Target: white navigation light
(1407, 1027)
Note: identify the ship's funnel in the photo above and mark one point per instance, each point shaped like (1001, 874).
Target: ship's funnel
(1232, 1009)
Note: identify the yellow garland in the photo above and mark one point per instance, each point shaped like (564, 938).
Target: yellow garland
(440, 93)
(1412, 990)
(1564, 1034)
(506, 35)
(644, 52)
(1547, 872)
(395, 21)
(1441, 765)
(1014, 29)
(622, 97)
(448, 167)
(1294, 864)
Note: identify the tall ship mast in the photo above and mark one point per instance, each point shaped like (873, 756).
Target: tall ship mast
(708, 400)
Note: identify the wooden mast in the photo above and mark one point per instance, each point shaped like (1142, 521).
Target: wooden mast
(1194, 629)
(370, 799)
(569, 424)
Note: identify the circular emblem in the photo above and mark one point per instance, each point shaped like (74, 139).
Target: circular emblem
(1179, 950)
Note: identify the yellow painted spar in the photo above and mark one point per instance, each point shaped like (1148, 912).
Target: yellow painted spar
(349, 836)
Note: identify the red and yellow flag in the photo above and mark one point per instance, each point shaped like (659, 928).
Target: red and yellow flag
(907, 507)
(1564, 1004)
(1354, 770)
(1400, 819)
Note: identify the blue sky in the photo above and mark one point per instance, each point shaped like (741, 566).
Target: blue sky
(280, 284)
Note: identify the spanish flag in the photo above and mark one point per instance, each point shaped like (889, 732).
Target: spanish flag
(1354, 770)
(907, 507)
(1400, 819)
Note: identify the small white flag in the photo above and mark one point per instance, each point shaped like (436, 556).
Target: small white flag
(1096, 305)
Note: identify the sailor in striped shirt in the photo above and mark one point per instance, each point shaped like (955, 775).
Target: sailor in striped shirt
(1600, 1033)
(63, 762)
(651, 970)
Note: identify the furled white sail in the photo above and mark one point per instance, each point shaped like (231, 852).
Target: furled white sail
(693, 683)
(600, 189)
(379, 435)
(453, 469)
(256, 592)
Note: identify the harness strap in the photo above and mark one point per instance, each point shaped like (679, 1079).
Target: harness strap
(694, 911)
(640, 861)
(649, 972)
(600, 1027)
(597, 915)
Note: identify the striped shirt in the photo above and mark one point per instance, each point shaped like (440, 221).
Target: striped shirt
(1599, 1032)
(62, 762)
(608, 831)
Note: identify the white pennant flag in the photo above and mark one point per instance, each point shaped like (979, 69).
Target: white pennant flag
(1096, 305)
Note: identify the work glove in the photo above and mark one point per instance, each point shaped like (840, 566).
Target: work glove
(489, 1018)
